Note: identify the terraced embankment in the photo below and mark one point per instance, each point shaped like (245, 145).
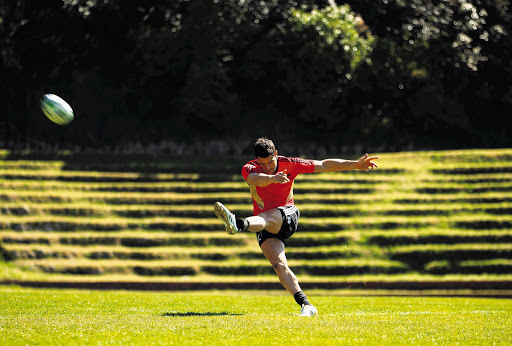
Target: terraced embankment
(422, 216)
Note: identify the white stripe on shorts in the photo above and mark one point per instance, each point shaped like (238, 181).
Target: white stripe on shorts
(290, 210)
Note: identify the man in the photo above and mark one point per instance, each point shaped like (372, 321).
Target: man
(275, 217)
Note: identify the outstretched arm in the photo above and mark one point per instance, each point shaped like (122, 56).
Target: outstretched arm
(338, 165)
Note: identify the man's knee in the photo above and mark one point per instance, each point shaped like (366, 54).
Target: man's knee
(273, 220)
(273, 227)
(280, 266)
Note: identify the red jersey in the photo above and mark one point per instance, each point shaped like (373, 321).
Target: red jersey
(276, 195)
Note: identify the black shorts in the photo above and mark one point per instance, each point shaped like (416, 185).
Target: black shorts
(290, 216)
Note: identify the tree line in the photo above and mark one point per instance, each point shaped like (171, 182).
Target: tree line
(387, 74)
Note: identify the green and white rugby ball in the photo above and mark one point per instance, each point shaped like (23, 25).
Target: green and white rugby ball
(56, 109)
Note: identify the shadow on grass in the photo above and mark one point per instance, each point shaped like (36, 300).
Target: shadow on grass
(190, 313)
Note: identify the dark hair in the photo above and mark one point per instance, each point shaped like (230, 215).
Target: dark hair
(264, 147)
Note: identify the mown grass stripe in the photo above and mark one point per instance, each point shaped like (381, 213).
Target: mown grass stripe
(393, 238)
(492, 266)
(195, 267)
(475, 179)
(451, 200)
(206, 211)
(421, 254)
(472, 170)
(465, 189)
(178, 224)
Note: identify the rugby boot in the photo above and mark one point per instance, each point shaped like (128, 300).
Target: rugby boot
(308, 310)
(227, 217)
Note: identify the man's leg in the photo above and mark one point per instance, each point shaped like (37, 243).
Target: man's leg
(271, 220)
(273, 249)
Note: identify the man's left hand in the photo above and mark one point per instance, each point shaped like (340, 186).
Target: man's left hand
(366, 163)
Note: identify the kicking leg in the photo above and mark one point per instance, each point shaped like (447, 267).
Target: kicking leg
(270, 220)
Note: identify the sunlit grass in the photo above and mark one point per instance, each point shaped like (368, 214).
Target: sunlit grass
(9, 272)
(70, 317)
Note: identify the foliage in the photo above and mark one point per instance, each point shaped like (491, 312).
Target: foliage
(440, 59)
(139, 72)
(328, 50)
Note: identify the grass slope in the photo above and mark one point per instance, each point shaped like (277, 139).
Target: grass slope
(427, 215)
(69, 317)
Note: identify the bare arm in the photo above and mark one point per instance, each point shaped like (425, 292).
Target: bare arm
(338, 165)
(262, 179)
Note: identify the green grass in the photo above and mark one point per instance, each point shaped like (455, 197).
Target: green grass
(71, 317)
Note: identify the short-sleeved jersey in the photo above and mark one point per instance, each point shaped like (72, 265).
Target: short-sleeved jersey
(276, 195)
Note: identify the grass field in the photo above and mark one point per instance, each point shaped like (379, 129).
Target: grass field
(72, 317)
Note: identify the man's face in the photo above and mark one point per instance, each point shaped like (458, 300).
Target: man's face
(268, 164)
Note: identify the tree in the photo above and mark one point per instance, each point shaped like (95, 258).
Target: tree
(388, 73)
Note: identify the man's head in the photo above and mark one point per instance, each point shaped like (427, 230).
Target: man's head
(264, 147)
(266, 154)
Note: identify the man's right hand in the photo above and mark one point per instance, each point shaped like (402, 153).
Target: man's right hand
(281, 178)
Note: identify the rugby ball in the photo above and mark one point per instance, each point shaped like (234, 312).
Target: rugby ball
(56, 109)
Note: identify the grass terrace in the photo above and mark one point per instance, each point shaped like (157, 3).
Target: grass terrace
(421, 216)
